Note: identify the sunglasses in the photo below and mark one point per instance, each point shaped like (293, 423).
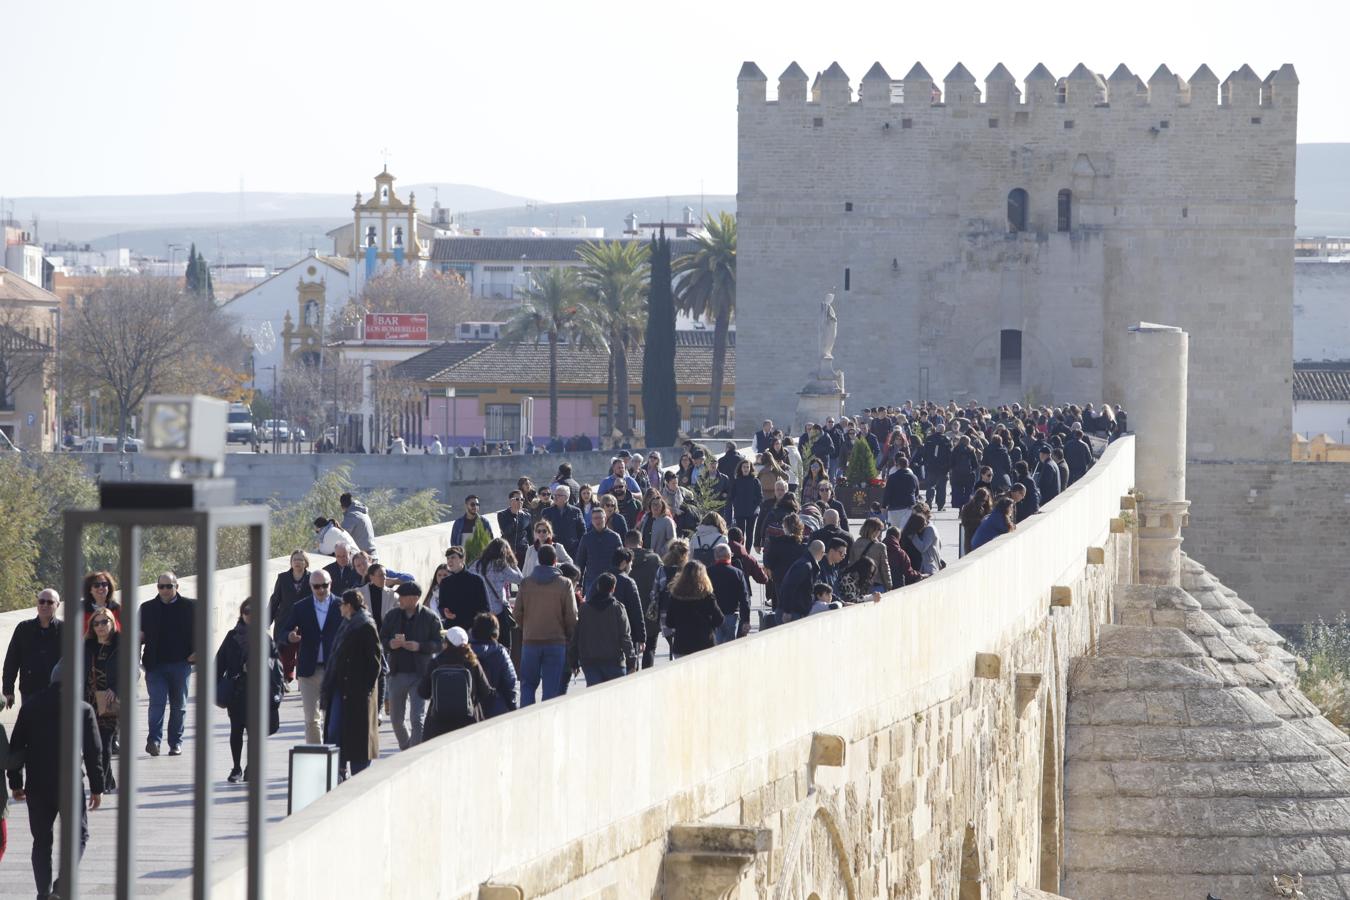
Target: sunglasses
(473, 505)
(46, 603)
(318, 587)
(163, 586)
(101, 584)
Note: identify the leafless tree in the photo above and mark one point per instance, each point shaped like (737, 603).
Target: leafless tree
(24, 352)
(445, 298)
(136, 335)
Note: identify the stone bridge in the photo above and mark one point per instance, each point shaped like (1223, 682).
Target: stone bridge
(1076, 708)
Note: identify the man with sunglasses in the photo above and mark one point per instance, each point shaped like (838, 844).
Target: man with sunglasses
(513, 524)
(464, 526)
(166, 635)
(313, 625)
(34, 648)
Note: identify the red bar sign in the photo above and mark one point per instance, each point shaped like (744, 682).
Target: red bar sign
(396, 326)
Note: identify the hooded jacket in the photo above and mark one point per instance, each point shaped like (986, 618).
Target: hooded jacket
(356, 522)
(603, 635)
(546, 607)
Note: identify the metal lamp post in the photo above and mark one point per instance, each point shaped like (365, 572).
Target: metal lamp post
(178, 428)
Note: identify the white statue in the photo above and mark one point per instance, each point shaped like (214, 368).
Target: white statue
(829, 329)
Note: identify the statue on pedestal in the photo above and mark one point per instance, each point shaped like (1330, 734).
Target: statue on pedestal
(828, 331)
(823, 396)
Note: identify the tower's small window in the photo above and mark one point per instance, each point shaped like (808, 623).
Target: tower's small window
(1010, 358)
(848, 279)
(848, 206)
(384, 193)
(1065, 209)
(370, 236)
(1017, 210)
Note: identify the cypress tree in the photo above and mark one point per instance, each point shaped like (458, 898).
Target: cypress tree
(190, 273)
(659, 398)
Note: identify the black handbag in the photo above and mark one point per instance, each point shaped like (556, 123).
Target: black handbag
(226, 685)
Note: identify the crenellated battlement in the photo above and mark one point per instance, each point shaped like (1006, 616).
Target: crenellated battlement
(1080, 88)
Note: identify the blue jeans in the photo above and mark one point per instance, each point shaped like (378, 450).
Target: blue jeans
(167, 681)
(727, 630)
(600, 674)
(545, 661)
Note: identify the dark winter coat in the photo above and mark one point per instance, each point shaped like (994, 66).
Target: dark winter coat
(746, 495)
(1047, 480)
(514, 528)
(168, 631)
(694, 621)
(567, 524)
(232, 661)
(604, 634)
(1079, 457)
(965, 465)
(731, 589)
(463, 595)
(794, 591)
(33, 652)
(35, 743)
(356, 665)
(902, 490)
(630, 598)
(285, 594)
(423, 627)
(501, 676)
(595, 554)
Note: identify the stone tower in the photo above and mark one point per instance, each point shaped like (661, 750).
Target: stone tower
(994, 245)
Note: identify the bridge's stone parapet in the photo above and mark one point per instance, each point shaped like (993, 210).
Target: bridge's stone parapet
(948, 783)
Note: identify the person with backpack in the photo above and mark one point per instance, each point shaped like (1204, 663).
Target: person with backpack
(602, 642)
(711, 532)
(456, 686)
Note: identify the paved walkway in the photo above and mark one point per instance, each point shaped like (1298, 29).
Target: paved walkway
(164, 852)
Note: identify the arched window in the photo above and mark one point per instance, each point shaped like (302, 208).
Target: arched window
(1010, 358)
(1017, 210)
(370, 236)
(398, 236)
(1065, 209)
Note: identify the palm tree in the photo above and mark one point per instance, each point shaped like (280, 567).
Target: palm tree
(706, 288)
(554, 306)
(616, 279)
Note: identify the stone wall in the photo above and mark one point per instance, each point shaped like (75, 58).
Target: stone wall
(286, 477)
(910, 748)
(1182, 211)
(1275, 533)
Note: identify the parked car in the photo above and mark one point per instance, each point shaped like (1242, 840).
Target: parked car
(275, 429)
(102, 444)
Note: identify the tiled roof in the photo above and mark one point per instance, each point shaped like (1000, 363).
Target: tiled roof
(424, 365)
(14, 341)
(702, 337)
(14, 288)
(528, 364)
(510, 249)
(1322, 381)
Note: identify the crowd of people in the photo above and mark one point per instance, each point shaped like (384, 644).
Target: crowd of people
(575, 579)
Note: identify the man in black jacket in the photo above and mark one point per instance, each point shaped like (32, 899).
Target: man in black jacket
(732, 593)
(627, 593)
(937, 462)
(643, 571)
(1077, 453)
(794, 593)
(1046, 475)
(902, 492)
(166, 632)
(513, 525)
(34, 649)
(35, 750)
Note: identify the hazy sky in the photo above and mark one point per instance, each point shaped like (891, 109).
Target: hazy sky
(554, 101)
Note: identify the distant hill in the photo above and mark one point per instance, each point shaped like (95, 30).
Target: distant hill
(278, 227)
(1323, 189)
(607, 214)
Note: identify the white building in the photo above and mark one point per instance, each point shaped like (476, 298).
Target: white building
(1322, 400)
(285, 314)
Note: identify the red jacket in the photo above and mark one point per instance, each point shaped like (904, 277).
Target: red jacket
(749, 566)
